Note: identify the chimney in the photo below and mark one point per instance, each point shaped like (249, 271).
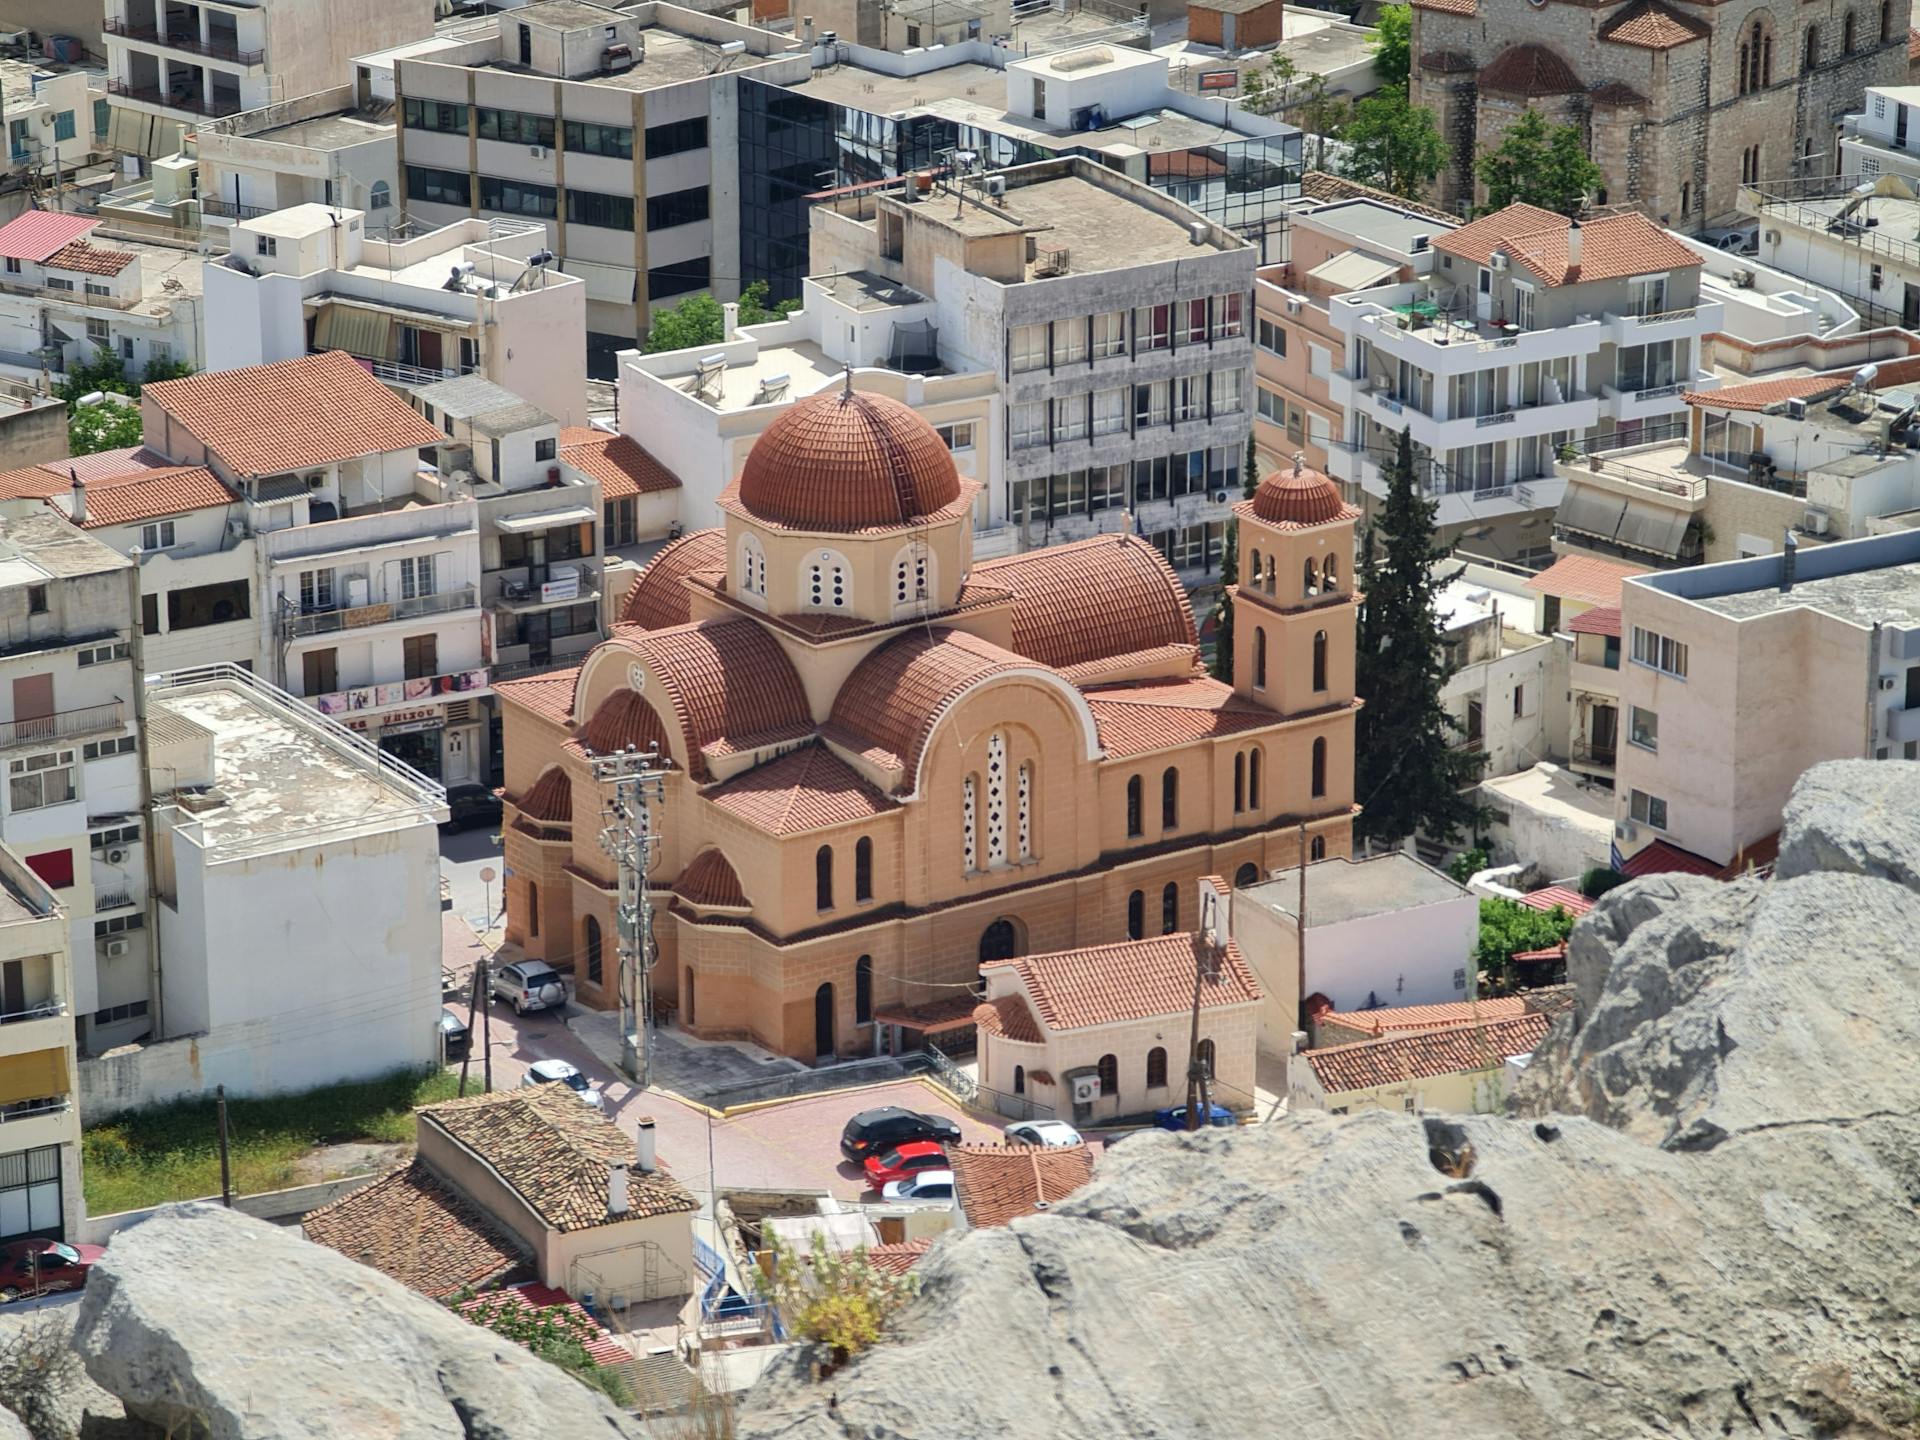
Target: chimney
(1787, 558)
(806, 28)
(616, 1188)
(1573, 245)
(643, 1141)
(730, 320)
(79, 496)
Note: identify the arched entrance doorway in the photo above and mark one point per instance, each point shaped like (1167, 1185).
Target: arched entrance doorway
(1000, 941)
(823, 1020)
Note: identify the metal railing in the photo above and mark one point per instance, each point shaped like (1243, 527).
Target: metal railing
(1591, 754)
(62, 724)
(192, 104)
(392, 372)
(357, 617)
(227, 209)
(39, 1010)
(34, 1109)
(963, 1085)
(192, 44)
(1660, 317)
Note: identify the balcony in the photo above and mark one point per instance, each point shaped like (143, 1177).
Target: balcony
(190, 44)
(1454, 345)
(1632, 400)
(191, 104)
(1590, 756)
(1903, 725)
(227, 210)
(61, 725)
(420, 690)
(360, 617)
(1650, 327)
(28, 1124)
(43, 1025)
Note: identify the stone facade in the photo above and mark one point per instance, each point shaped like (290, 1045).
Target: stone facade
(1679, 105)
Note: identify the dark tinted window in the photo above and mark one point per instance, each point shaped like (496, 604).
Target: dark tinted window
(680, 278)
(680, 207)
(680, 135)
(439, 187)
(609, 212)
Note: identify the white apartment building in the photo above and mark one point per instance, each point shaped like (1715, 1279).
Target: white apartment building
(462, 299)
(40, 1193)
(1739, 676)
(1117, 320)
(329, 148)
(64, 299)
(55, 119)
(1506, 688)
(69, 688)
(1525, 334)
(180, 61)
(1852, 233)
(297, 900)
(1884, 138)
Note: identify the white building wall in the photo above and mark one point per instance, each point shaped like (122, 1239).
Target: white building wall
(1404, 957)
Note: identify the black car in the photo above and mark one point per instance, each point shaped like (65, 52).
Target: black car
(470, 805)
(872, 1131)
(454, 1035)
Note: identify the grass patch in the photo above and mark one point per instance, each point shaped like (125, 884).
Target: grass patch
(172, 1152)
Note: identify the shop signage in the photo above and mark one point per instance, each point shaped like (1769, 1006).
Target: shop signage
(1219, 79)
(398, 692)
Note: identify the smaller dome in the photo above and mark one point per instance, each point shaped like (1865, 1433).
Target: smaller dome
(845, 462)
(1299, 497)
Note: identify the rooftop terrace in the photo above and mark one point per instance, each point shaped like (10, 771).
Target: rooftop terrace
(1340, 890)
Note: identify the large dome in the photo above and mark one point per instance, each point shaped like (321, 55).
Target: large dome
(1299, 497)
(847, 461)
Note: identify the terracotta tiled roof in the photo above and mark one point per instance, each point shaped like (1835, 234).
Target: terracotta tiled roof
(1660, 858)
(1530, 70)
(413, 1226)
(845, 461)
(996, 1184)
(1008, 1017)
(899, 1258)
(1446, 62)
(78, 255)
(108, 464)
(624, 719)
(1614, 92)
(1478, 240)
(1449, 7)
(1298, 499)
(1319, 185)
(554, 1152)
(805, 789)
(1600, 620)
(1128, 980)
(1913, 47)
(549, 696)
(1558, 897)
(1759, 858)
(658, 599)
(1407, 1019)
(1040, 1077)
(551, 798)
(40, 233)
(616, 461)
(534, 1297)
(316, 410)
(732, 686)
(1760, 394)
(889, 705)
(1156, 715)
(710, 879)
(149, 495)
(1587, 579)
(1090, 600)
(1453, 1049)
(1651, 26)
(1612, 248)
(1532, 957)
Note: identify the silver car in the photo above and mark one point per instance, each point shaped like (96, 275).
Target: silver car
(528, 985)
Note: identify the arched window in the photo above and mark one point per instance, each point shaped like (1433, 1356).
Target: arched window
(863, 990)
(1259, 657)
(1686, 197)
(1170, 908)
(999, 941)
(380, 196)
(1170, 799)
(1810, 48)
(686, 996)
(1320, 768)
(1157, 1068)
(533, 908)
(1136, 825)
(1310, 581)
(1137, 916)
(1271, 581)
(1329, 574)
(1023, 811)
(823, 878)
(863, 869)
(1109, 1075)
(1253, 780)
(1766, 62)
(1248, 874)
(1318, 849)
(1746, 67)
(1019, 1079)
(596, 968)
(1206, 1057)
(1253, 571)
(1239, 783)
(753, 567)
(1846, 34)
(1319, 660)
(969, 822)
(996, 799)
(824, 582)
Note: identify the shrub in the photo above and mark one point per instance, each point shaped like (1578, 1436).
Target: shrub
(1597, 881)
(1469, 863)
(1508, 928)
(840, 1299)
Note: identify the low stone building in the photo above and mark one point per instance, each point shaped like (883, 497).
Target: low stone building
(1459, 1069)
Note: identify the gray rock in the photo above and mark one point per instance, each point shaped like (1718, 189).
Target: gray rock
(203, 1315)
(1859, 816)
(10, 1426)
(1703, 1218)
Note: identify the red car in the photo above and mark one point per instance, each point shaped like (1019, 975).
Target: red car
(30, 1267)
(903, 1162)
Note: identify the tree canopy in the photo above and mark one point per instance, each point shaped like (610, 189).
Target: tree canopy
(1539, 164)
(700, 320)
(108, 425)
(1392, 145)
(1393, 45)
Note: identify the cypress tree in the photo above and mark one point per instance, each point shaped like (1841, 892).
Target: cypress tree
(1223, 610)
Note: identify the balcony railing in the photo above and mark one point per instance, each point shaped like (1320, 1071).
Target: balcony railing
(227, 210)
(62, 724)
(192, 44)
(392, 372)
(35, 1109)
(192, 104)
(1661, 317)
(112, 900)
(40, 1010)
(357, 617)
(1587, 753)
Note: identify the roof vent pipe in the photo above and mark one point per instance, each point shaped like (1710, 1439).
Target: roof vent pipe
(1788, 556)
(1573, 245)
(79, 508)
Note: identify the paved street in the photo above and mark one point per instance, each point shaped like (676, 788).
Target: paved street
(462, 857)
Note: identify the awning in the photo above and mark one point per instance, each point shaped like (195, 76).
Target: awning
(545, 519)
(1352, 270)
(953, 1013)
(366, 333)
(279, 490)
(37, 1075)
(138, 133)
(1653, 528)
(612, 283)
(1591, 512)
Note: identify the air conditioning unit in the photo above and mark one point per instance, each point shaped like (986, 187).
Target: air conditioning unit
(1497, 262)
(996, 185)
(1743, 279)
(116, 857)
(1796, 408)
(1815, 521)
(1773, 237)
(1625, 830)
(1293, 307)
(1086, 1086)
(1219, 497)
(113, 949)
(1887, 682)
(538, 152)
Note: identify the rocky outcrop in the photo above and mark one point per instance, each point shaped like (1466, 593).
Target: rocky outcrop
(203, 1321)
(1703, 1217)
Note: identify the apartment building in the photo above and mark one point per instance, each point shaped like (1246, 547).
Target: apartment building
(1526, 334)
(69, 687)
(465, 298)
(182, 61)
(1851, 233)
(1506, 685)
(615, 130)
(64, 299)
(1884, 136)
(1117, 321)
(55, 118)
(334, 147)
(1740, 675)
(40, 1195)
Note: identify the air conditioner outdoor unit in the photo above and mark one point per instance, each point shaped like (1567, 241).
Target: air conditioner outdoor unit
(115, 948)
(539, 152)
(1219, 497)
(116, 857)
(1773, 237)
(996, 185)
(1086, 1087)
(1293, 307)
(1815, 521)
(1887, 682)
(1624, 830)
(1497, 263)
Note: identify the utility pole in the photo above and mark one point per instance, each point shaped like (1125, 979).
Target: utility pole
(473, 1020)
(486, 1021)
(1300, 936)
(226, 1173)
(628, 836)
(1208, 944)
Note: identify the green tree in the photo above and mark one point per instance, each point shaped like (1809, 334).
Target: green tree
(1393, 45)
(1539, 164)
(1409, 776)
(1508, 928)
(1223, 610)
(1321, 116)
(837, 1298)
(108, 425)
(700, 320)
(1392, 145)
(1269, 88)
(104, 425)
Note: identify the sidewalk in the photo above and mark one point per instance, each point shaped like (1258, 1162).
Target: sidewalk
(686, 1066)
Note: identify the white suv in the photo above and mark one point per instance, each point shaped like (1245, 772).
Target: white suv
(528, 985)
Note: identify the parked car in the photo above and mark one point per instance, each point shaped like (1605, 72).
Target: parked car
(1175, 1118)
(471, 805)
(528, 985)
(1051, 1133)
(34, 1267)
(1735, 239)
(874, 1130)
(454, 1035)
(927, 1185)
(903, 1162)
(559, 1072)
